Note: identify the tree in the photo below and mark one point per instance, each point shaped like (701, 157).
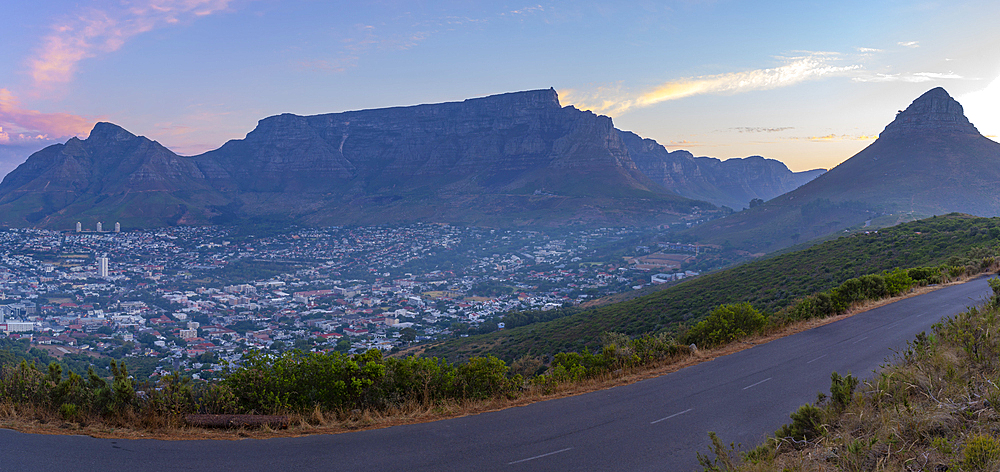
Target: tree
(407, 335)
(756, 202)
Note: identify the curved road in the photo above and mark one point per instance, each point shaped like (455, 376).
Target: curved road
(656, 424)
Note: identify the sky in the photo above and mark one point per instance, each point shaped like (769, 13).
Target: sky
(809, 83)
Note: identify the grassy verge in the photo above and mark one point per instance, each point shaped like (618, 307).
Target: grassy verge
(936, 408)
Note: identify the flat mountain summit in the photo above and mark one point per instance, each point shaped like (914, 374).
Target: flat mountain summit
(510, 159)
(929, 160)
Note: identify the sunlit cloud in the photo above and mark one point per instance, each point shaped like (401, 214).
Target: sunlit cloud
(916, 77)
(35, 125)
(90, 32)
(868, 50)
(909, 44)
(798, 70)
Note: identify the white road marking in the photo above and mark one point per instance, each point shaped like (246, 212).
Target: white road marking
(671, 416)
(540, 456)
(758, 383)
(862, 339)
(816, 359)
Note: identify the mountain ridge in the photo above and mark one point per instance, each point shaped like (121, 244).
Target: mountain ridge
(517, 158)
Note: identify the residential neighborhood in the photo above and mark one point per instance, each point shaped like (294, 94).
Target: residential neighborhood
(197, 298)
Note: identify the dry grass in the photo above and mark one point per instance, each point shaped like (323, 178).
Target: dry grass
(31, 420)
(937, 409)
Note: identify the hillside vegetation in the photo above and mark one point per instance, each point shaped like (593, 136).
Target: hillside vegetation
(768, 285)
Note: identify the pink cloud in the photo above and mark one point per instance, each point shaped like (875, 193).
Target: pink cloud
(31, 124)
(92, 31)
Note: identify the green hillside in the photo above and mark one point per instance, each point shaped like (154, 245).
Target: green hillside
(768, 284)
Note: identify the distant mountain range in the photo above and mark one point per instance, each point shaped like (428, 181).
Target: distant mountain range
(929, 161)
(510, 159)
(732, 183)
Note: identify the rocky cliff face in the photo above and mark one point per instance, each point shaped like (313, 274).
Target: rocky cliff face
(495, 143)
(733, 182)
(512, 158)
(515, 158)
(934, 112)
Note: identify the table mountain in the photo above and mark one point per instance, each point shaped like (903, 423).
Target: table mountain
(930, 160)
(511, 159)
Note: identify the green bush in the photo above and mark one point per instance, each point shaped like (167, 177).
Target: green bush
(995, 286)
(297, 381)
(897, 281)
(483, 378)
(725, 324)
(981, 453)
(925, 275)
(806, 424)
(842, 389)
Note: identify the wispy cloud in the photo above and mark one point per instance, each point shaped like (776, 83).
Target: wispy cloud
(836, 137)
(366, 38)
(683, 143)
(525, 10)
(795, 71)
(30, 125)
(91, 31)
(758, 129)
(916, 77)
(909, 44)
(868, 50)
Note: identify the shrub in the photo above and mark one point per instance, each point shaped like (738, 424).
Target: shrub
(842, 389)
(485, 377)
(69, 411)
(725, 324)
(995, 286)
(298, 381)
(897, 282)
(806, 424)
(925, 275)
(981, 453)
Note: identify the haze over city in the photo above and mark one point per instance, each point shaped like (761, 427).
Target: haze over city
(809, 85)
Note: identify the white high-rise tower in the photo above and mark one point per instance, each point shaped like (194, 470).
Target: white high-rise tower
(99, 227)
(118, 227)
(102, 267)
(79, 227)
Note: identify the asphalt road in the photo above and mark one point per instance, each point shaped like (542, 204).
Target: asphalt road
(657, 424)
